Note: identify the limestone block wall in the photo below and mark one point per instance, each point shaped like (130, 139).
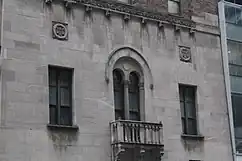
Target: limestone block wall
(28, 49)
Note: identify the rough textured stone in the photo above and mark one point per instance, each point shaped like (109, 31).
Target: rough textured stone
(29, 49)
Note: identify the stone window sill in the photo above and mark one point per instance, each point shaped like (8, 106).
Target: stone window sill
(192, 137)
(62, 127)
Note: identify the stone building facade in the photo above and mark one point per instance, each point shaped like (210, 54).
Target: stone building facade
(70, 68)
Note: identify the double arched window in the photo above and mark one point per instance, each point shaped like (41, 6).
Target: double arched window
(128, 90)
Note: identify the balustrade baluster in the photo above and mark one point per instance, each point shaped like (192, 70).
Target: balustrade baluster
(120, 132)
(125, 132)
(148, 134)
(153, 133)
(145, 134)
(159, 136)
(133, 132)
(141, 133)
(156, 134)
(114, 132)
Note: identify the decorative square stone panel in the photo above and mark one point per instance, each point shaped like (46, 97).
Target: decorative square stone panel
(185, 54)
(59, 30)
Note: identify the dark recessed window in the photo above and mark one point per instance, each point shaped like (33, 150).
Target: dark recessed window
(188, 109)
(174, 6)
(60, 96)
(118, 94)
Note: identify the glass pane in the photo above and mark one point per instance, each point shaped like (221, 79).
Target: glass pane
(229, 14)
(117, 77)
(235, 70)
(234, 32)
(190, 94)
(191, 110)
(192, 127)
(52, 115)
(236, 84)
(65, 116)
(52, 77)
(65, 96)
(173, 7)
(134, 116)
(119, 101)
(65, 77)
(134, 92)
(118, 94)
(133, 102)
(238, 16)
(52, 96)
(237, 113)
(238, 143)
(119, 114)
(182, 109)
(235, 51)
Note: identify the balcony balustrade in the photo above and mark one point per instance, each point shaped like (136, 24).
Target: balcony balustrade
(136, 132)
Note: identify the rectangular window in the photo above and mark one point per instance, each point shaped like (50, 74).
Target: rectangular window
(188, 109)
(60, 96)
(174, 6)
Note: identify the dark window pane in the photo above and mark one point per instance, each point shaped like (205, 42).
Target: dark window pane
(134, 102)
(134, 116)
(52, 96)
(119, 100)
(53, 115)
(52, 77)
(237, 111)
(134, 96)
(117, 77)
(191, 110)
(65, 96)
(64, 78)
(182, 109)
(192, 127)
(65, 116)
(235, 70)
(134, 80)
(119, 114)
(190, 94)
(118, 94)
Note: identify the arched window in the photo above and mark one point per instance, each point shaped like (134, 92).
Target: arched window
(134, 100)
(128, 90)
(118, 94)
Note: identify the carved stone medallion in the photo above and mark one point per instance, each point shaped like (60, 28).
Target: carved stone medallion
(60, 31)
(185, 54)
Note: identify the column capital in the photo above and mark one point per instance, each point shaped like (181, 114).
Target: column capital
(141, 86)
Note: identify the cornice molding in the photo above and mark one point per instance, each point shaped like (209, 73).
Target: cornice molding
(135, 11)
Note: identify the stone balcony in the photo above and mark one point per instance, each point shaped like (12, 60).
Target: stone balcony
(144, 136)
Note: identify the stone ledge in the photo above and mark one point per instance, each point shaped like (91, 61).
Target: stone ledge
(192, 137)
(127, 9)
(62, 127)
